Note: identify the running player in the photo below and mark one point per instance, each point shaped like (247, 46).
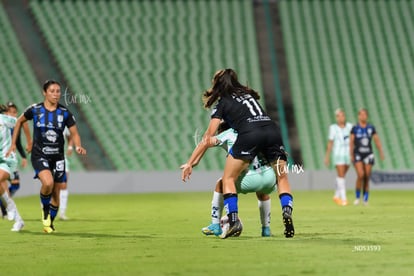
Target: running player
(49, 120)
(7, 166)
(259, 178)
(15, 179)
(64, 193)
(362, 155)
(257, 133)
(339, 141)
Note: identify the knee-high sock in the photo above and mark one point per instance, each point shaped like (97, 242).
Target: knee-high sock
(341, 187)
(265, 209)
(11, 206)
(337, 193)
(64, 194)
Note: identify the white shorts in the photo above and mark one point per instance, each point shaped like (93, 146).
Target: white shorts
(263, 181)
(9, 165)
(340, 159)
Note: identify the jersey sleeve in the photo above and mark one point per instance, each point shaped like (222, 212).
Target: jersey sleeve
(353, 129)
(331, 135)
(224, 137)
(9, 121)
(70, 121)
(374, 131)
(28, 113)
(217, 112)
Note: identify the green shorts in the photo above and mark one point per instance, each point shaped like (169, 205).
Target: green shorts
(9, 165)
(262, 180)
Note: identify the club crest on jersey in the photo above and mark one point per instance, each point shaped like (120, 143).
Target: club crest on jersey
(369, 131)
(60, 118)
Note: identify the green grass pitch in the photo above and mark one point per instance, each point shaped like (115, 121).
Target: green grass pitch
(159, 234)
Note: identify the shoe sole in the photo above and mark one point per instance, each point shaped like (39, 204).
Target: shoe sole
(289, 229)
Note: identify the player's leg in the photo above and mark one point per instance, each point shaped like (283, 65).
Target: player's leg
(232, 171)
(216, 211)
(63, 199)
(367, 174)
(14, 183)
(359, 168)
(340, 180)
(46, 190)
(9, 202)
(264, 203)
(285, 196)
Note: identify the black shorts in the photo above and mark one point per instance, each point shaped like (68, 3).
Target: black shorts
(55, 165)
(366, 158)
(265, 140)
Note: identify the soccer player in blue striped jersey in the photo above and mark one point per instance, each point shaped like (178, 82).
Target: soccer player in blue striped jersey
(48, 157)
(362, 155)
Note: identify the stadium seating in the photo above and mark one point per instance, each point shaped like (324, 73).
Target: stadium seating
(144, 65)
(352, 54)
(17, 80)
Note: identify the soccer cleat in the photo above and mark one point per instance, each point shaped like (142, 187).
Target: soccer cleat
(232, 231)
(344, 202)
(46, 222)
(212, 229)
(266, 231)
(356, 202)
(63, 217)
(49, 229)
(337, 200)
(288, 222)
(17, 226)
(365, 203)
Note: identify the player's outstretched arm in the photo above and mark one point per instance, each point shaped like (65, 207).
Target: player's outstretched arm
(21, 120)
(378, 145)
(328, 153)
(29, 142)
(77, 140)
(201, 148)
(351, 146)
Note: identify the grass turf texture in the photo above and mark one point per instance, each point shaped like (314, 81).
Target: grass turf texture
(159, 234)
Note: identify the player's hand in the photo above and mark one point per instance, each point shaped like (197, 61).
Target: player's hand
(69, 151)
(186, 171)
(29, 147)
(327, 161)
(80, 150)
(11, 149)
(24, 163)
(382, 156)
(352, 158)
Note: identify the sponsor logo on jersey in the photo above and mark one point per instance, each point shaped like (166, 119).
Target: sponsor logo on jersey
(39, 124)
(245, 152)
(49, 150)
(51, 135)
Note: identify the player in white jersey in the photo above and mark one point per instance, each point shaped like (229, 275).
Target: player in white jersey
(259, 178)
(338, 147)
(64, 193)
(7, 167)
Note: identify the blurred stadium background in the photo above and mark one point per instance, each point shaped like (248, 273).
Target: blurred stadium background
(133, 72)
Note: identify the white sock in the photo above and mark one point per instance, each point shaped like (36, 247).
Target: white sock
(264, 209)
(337, 194)
(11, 206)
(63, 197)
(216, 207)
(341, 187)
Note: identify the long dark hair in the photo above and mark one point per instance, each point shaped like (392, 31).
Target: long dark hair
(225, 82)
